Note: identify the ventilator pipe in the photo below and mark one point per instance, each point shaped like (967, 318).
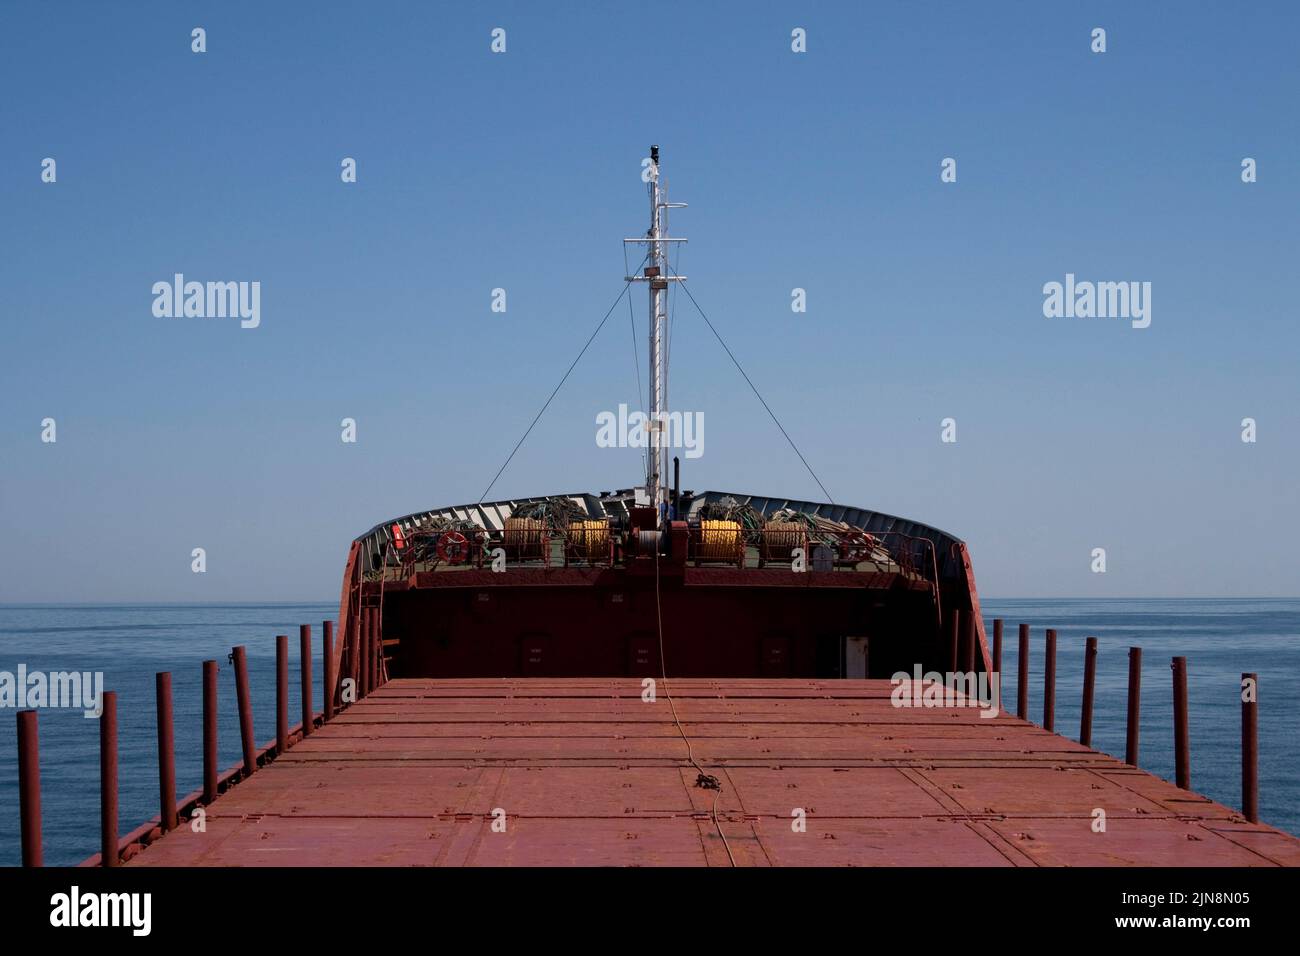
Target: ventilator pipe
(677, 486)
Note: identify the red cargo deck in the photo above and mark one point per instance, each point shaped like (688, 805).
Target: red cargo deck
(588, 773)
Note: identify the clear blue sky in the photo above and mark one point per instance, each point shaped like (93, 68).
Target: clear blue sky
(521, 171)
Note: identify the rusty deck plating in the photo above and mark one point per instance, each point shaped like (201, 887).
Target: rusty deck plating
(588, 773)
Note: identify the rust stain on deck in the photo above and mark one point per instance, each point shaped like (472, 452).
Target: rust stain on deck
(589, 774)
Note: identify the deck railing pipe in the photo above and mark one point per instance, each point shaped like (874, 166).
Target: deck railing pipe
(166, 752)
(1134, 706)
(1022, 675)
(304, 653)
(1182, 747)
(29, 788)
(209, 731)
(1250, 747)
(245, 702)
(281, 693)
(363, 650)
(108, 780)
(1049, 682)
(327, 688)
(1089, 690)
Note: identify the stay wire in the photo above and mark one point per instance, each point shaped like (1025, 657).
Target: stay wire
(554, 392)
(672, 315)
(758, 395)
(636, 349)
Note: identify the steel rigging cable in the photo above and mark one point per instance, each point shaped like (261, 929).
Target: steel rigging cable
(736, 362)
(556, 390)
(636, 350)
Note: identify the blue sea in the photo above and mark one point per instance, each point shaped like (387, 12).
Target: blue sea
(1220, 638)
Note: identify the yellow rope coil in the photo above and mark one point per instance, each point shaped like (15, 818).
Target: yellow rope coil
(780, 538)
(720, 541)
(589, 538)
(523, 536)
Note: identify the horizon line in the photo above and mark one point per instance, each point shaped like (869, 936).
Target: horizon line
(294, 603)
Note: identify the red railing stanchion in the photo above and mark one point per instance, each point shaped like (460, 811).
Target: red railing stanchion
(304, 653)
(1089, 688)
(1182, 747)
(347, 655)
(281, 693)
(1049, 682)
(1250, 747)
(166, 753)
(363, 650)
(209, 732)
(1134, 705)
(29, 788)
(1022, 675)
(327, 639)
(376, 677)
(245, 702)
(108, 781)
(997, 659)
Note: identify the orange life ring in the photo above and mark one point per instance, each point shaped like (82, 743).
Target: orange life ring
(453, 547)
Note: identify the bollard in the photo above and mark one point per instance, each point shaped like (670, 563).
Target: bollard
(29, 788)
(1134, 705)
(1022, 675)
(1089, 689)
(970, 637)
(166, 753)
(1182, 753)
(1049, 682)
(954, 630)
(1250, 747)
(209, 732)
(108, 781)
(304, 653)
(997, 657)
(245, 704)
(281, 693)
(327, 639)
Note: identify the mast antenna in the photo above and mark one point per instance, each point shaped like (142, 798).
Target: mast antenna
(656, 275)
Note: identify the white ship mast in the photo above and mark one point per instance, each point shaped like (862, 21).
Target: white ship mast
(656, 274)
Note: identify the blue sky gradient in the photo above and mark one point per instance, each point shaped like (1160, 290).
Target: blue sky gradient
(522, 171)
